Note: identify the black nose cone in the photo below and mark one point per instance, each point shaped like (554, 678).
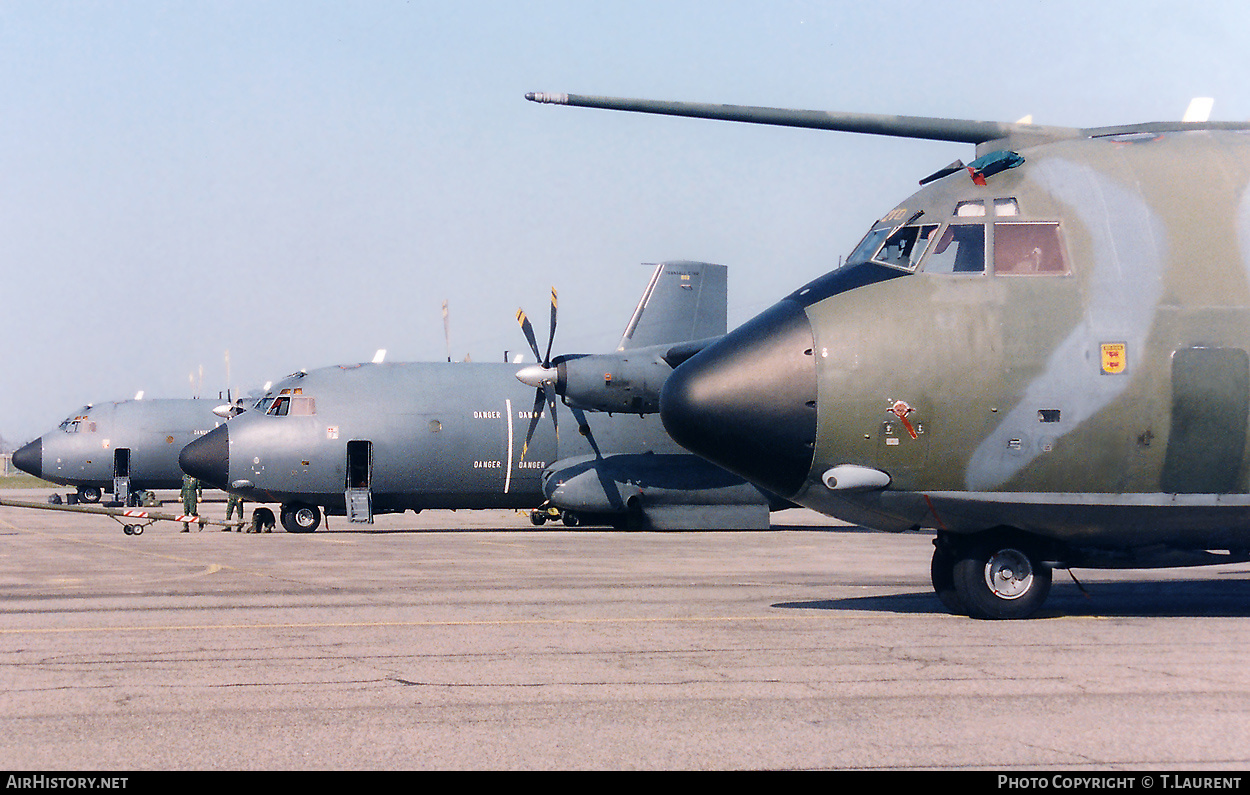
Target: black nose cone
(208, 458)
(748, 402)
(29, 458)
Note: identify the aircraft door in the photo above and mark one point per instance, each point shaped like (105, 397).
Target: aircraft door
(1210, 409)
(359, 496)
(121, 475)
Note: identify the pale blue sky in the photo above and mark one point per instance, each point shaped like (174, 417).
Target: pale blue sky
(301, 183)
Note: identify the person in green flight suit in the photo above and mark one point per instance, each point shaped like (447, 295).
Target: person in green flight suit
(192, 491)
(235, 501)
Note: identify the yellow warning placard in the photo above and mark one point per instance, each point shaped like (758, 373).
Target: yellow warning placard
(1114, 358)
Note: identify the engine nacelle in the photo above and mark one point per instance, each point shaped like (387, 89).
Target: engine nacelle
(628, 382)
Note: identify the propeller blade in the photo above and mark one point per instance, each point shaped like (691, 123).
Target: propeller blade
(528, 330)
(551, 338)
(582, 422)
(535, 414)
(550, 392)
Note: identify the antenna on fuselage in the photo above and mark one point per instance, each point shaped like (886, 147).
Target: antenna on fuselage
(1199, 109)
(446, 330)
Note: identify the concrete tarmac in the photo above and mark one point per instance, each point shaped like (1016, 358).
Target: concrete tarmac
(472, 640)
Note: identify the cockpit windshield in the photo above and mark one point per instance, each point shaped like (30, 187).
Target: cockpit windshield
(294, 405)
(78, 425)
(899, 247)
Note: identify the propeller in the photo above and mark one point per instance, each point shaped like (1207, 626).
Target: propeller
(542, 376)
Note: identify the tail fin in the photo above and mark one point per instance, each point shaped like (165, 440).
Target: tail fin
(684, 301)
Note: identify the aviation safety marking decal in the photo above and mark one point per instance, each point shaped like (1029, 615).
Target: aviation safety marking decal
(1114, 358)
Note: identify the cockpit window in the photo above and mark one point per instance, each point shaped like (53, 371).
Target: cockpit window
(78, 424)
(867, 247)
(1027, 249)
(295, 406)
(900, 247)
(959, 249)
(905, 247)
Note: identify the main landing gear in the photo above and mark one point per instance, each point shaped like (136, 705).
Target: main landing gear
(992, 575)
(298, 517)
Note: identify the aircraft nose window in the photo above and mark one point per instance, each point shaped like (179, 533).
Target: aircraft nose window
(960, 249)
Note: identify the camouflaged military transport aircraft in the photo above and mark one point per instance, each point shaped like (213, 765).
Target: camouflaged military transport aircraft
(362, 439)
(120, 446)
(1041, 355)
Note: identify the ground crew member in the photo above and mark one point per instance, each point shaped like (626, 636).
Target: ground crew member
(191, 492)
(235, 501)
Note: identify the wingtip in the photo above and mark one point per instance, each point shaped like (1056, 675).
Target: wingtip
(545, 98)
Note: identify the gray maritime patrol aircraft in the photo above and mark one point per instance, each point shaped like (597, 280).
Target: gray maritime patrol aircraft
(363, 439)
(119, 446)
(1042, 355)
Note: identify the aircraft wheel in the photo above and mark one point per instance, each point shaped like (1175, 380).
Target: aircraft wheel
(137, 529)
(569, 518)
(537, 518)
(298, 517)
(997, 579)
(88, 494)
(128, 529)
(942, 571)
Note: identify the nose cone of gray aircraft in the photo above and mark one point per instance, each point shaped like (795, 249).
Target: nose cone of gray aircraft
(208, 458)
(29, 458)
(748, 402)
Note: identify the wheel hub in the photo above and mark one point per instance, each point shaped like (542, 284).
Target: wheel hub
(1008, 574)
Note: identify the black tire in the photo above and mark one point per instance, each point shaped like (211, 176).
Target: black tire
(570, 519)
(128, 529)
(1001, 578)
(298, 517)
(88, 494)
(942, 572)
(537, 518)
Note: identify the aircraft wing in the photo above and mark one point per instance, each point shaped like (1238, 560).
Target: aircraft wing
(141, 516)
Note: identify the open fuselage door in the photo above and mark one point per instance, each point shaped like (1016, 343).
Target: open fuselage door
(359, 477)
(121, 475)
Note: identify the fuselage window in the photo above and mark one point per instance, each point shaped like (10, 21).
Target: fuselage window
(970, 209)
(959, 249)
(1028, 249)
